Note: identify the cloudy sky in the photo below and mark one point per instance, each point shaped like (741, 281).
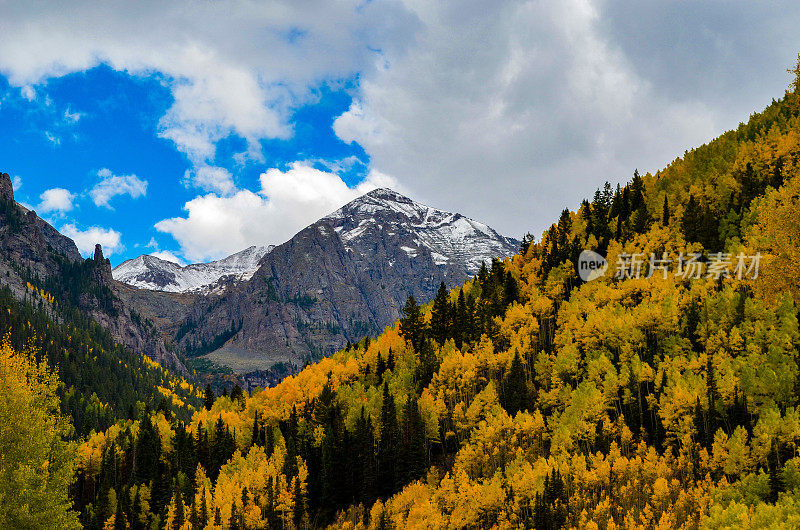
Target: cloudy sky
(194, 129)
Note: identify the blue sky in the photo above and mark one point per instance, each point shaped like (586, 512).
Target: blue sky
(65, 132)
(195, 129)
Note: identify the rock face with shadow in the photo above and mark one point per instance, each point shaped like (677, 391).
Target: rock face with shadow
(33, 251)
(342, 278)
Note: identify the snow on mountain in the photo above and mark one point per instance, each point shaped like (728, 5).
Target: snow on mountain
(449, 237)
(150, 272)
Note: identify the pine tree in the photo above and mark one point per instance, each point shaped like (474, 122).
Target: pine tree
(119, 517)
(390, 360)
(299, 503)
(513, 397)
(290, 438)
(180, 516)
(692, 220)
(665, 212)
(269, 442)
(203, 515)
(208, 401)
(365, 456)
(461, 322)
(427, 364)
(440, 315)
(412, 325)
(388, 446)
(380, 369)
(222, 448)
(414, 452)
(148, 450)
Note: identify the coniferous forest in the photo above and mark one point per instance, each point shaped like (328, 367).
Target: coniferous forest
(525, 398)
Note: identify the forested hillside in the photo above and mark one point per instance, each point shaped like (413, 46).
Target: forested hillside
(527, 398)
(102, 381)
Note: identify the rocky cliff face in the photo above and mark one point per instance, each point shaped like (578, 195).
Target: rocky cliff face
(344, 277)
(31, 249)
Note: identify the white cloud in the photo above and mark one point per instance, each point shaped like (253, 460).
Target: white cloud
(209, 178)
(111, 185)
(233, 68)
(52, 138)
(506, 111)
(28, 92)
(71, 117)
(16, 182)
(56, 200)
(510, 111)
(85, 240)
(166, 255)
(289, 200)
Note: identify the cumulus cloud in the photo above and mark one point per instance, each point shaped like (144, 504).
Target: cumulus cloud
(56, 200)
(233, 68)
(506, 111)
(28, 92)
(216, 226)
(166, 255)
(209, 178)
(85, 240)
(16, 182)
(509, 111)
(111, 185)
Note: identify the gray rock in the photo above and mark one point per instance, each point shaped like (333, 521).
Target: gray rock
(338, 280)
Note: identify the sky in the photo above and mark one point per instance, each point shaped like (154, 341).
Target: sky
(191, 130)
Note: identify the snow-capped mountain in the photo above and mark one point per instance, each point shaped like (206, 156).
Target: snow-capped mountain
(450, 238)
(150, 272)
(339, 279)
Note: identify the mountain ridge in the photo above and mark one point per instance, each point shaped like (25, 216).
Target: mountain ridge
(341, 278)
(154, 273)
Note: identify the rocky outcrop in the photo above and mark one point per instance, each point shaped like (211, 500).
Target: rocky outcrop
(31, 249)
(6, 187)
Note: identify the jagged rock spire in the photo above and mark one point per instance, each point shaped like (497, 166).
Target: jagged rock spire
(98, 253)
(6, 187)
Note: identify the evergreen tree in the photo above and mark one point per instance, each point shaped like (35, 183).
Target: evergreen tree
(203, 515)
(269, 442)
(148, 450)
(692, 220)
(514, 394)
(222, 448)
(257, 436)
(365, 456)
(412, 325)
(414, 451)
(390, 360)
(299, 504)
(665, 212)
(119, 517)
(440, 315)
(380, 369)
(388, 446)
(208, 401)
(180, 516)
(427, 364)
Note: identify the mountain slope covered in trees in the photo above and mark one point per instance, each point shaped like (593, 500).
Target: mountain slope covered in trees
(527, 398)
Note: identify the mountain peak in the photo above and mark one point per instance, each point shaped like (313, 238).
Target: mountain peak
(386, 194)
(6, 187)
(152, 272)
